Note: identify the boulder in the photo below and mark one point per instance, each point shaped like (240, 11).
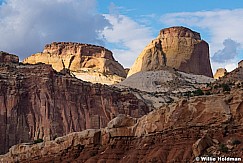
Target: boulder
(121, 121)
(201, 144)
(220, 73)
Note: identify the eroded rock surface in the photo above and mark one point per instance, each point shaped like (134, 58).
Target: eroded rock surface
(8, 58)
(87, 62)
(176, 47)
(36, 102)
(163, 86)
(179, 132)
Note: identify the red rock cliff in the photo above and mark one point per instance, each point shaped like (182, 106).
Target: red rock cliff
(180, 132)
(37, 102)
(8, 58)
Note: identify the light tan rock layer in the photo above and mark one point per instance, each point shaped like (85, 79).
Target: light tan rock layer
(176, 47)
(81, 59)
(220, 73)
(166, 80)
(163, 86)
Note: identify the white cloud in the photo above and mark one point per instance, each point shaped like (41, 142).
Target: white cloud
(228, 52)
(219, 26)
(127, 37)
(27, 25)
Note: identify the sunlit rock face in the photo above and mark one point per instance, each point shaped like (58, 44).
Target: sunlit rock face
(87, 62)
(176, 47)
(36, 102)
(220, 72)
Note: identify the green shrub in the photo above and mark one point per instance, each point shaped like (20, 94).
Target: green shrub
(208, 93)
(198, 92)
(223, 148)
(38, 141)
(215, 86)
(93, 153)
(236, 142)
(188, 94)
(55, 136)
(225, 87)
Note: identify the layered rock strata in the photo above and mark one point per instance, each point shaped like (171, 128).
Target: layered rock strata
(163, 86)
(8, 58)
(87, 62)
(202, 126)
(176, 47)
(36, 102)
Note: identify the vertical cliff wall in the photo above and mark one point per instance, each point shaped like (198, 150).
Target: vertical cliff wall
(176, 47)
(38, 102)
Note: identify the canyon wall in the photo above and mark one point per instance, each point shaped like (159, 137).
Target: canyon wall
(36, 102)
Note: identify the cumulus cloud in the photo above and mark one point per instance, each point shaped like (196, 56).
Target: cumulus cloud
(27, 25)
(228, 52)
(218, 25)
(128, 38)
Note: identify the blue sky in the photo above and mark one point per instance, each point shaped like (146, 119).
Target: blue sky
(154, 15)
(123, 26)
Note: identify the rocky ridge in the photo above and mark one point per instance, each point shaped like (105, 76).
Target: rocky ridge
(200, 126)
(163, 86)
(87, 62)
(176, 47)
(240, 64)
(8, 58)
(36, 102)
(234, 77)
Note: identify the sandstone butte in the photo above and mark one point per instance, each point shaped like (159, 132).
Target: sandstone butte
(176, 47)
(87, 62)
(220, 72)
(199, 126)
(36, 102)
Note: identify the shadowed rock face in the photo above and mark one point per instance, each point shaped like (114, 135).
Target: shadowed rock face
(8, 58)
(240, 64)
(83, 60)
(176, 47)
(37, 102)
